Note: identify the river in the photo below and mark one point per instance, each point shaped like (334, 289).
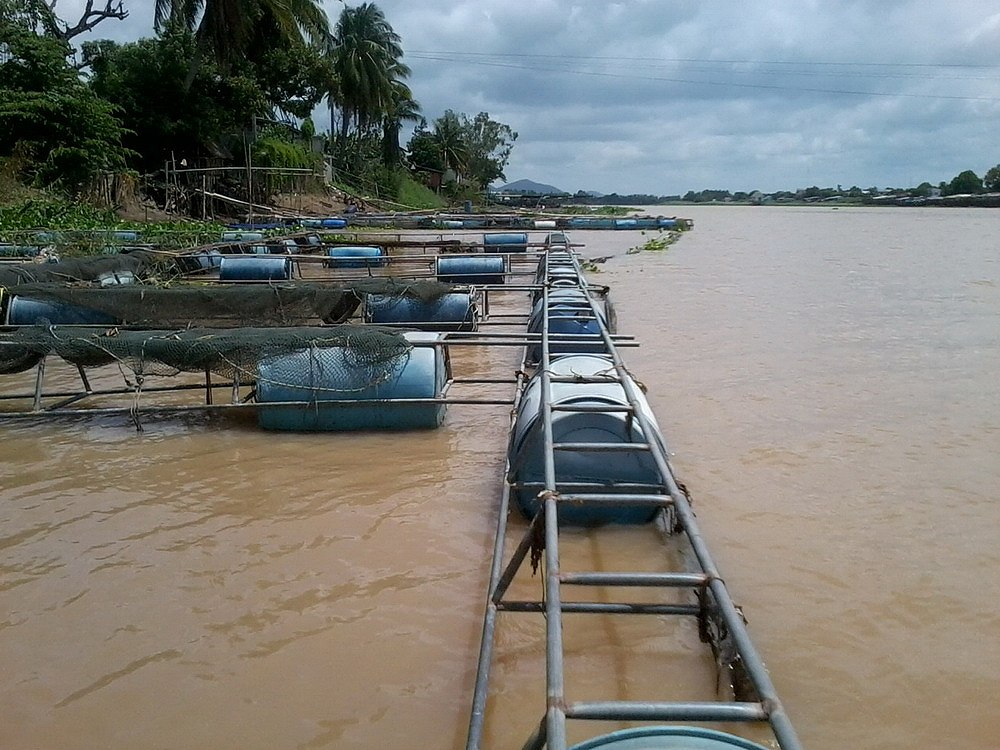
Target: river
(827, 382)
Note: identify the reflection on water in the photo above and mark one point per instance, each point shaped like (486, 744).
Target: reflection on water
(826, 381)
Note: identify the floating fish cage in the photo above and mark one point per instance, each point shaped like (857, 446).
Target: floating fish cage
(337, 392)
(584, 448)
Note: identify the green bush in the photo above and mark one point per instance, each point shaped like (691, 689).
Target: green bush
(414, 194)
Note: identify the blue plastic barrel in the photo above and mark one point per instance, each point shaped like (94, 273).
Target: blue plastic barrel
(626, 224)
(556, 270)
(242, 236)
(449, 312)
(470, 269)
(506, 242)
(668, 738)
(255, 268)
(19, 251)
(200, 261)
(592, 222)
(569, 313)
(527, 456)
(333, 223)
(311, 222)
(545, 224)
(452, 224)
(24, 311)
(319, 376)
(355, 257)
(666, 223)
(286, 246)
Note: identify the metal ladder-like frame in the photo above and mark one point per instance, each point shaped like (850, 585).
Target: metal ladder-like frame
(721, 623)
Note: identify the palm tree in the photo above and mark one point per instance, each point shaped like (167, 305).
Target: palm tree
(451, 142)
(403, 108)
(224, 27)
(367, 60)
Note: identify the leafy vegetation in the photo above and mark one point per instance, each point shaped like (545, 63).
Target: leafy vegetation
(595, 210)
(56, 131)
(413, 194)
(470, 153)
(207, 90)
(51, 213)
(659, 243)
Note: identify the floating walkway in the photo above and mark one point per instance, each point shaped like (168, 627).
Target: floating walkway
(585, 449)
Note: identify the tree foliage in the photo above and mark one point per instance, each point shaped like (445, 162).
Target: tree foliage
(992, 179)
(423, 150)
(146, 81)
(965, 182)
(449, 138)
(59, 131)
(367, 61)
(214, 72)
(229, 31)
(488, 144)
(476, 149)
(40, 17)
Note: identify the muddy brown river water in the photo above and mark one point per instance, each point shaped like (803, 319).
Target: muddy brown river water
(827, 380)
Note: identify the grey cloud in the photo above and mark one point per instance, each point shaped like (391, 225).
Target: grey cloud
(649, 96)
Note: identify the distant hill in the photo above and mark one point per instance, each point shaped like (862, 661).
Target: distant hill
(527, 186)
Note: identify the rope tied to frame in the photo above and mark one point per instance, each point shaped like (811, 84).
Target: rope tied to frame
(538, 536)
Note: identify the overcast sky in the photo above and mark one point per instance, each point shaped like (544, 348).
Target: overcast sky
(666, 96)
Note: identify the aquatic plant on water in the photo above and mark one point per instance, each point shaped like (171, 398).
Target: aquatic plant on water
(661, 242)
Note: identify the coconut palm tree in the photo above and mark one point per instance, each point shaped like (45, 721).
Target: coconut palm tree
(366, 56)
(224, 27)
(403, 108)
(451, 142)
